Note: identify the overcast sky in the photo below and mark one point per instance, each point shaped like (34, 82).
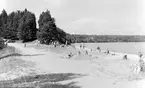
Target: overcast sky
(88, 16)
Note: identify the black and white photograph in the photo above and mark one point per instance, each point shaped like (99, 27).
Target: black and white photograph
(72, 43)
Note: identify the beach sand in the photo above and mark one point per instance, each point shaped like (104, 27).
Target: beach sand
(100, 70)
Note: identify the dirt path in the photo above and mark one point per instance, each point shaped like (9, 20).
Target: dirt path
(108, 72)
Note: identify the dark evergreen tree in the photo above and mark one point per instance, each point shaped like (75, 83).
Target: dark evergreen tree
(27, 27)
(3, 23)
(1, 31)
(48, 31)
(10, 31)
(22, 25)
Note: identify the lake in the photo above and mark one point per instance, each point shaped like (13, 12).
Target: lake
(129, 47)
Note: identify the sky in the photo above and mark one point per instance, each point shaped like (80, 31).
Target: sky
(101, 17)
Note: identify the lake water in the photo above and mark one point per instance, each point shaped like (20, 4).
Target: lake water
(131, 48)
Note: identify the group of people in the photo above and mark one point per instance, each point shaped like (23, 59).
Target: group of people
(140, 65)
(140, 54)
(125, 57)
(86, 50)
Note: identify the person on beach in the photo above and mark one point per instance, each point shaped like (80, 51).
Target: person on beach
(139, 67)
(80, 46)
(84, 46)
(107, 52)
(25, 45)
(140, 54)
(62, 45)
(86, 52)
(142, 65)
(79, 52)
(125, 57)
(73, 46)
(91, 49)
(113, 54)
(98, 48)
(66, 43)
(70, 55)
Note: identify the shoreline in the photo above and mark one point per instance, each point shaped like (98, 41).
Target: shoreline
(110, 51)
(129, 48)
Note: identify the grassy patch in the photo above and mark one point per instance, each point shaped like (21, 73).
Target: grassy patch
(8, 50)
(42, 81)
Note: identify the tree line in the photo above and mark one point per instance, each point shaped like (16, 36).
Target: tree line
(77, 38)
(21, 25)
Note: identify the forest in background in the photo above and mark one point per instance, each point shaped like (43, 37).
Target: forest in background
(107, 38)
(21, 25)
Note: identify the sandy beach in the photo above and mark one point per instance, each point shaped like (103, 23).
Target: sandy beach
(100, 70)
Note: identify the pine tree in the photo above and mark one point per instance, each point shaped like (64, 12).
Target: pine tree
(27, 27)
(10, 31)
(3, 23)
(48, 31)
